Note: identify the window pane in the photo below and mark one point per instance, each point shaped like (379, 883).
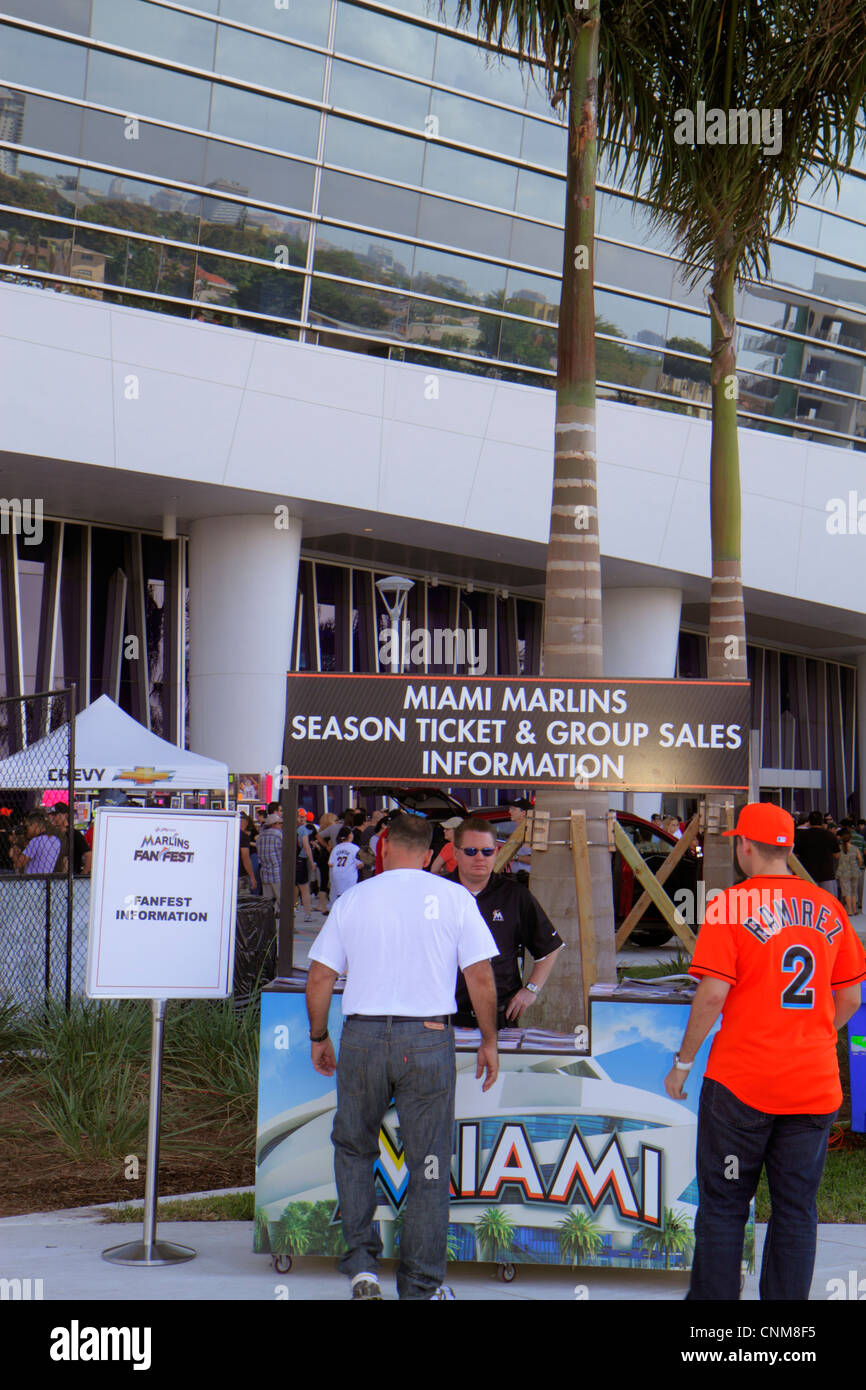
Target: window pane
(141, 265)
(541, 246)
(634, 270)
(300, 19)
(472, 123)
(454, 224)
(838, 237)
(372, 204)
(357, 146)
(390, 43)
(458, 277)
(268, 63)
(469, 176)
(143, 207)
(156, 150)
(545, 144)
(686, 328)
(47, 125)
(39, 184)
(241, 285)
(264, 120)
(357, 256)
(540, 196)
(255, 232)
(630, 318)
(527, 343)
(349, 306)
(144, 89)
(533, 295)
(151, 29)
(376, 94)
(266, 176)
(37, 61)
(453, 329)
(33, 243)
(73, 15)
(462, 64)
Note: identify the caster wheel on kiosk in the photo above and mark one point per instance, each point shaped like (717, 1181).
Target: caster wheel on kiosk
(282, 1263)
(507, 1273)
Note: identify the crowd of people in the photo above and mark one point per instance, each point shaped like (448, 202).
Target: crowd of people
(37, 842)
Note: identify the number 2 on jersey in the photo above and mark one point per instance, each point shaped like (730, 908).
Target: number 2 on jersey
(796, 995)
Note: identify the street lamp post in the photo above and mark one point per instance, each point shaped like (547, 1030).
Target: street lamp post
(393, 591)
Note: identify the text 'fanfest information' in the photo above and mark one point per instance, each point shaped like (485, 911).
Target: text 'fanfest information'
(163, 896)
(622, 735)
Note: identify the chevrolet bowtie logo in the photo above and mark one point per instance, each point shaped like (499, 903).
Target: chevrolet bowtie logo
(142, 776)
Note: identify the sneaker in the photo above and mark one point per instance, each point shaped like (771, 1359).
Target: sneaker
(444, 1291)
(309, 917)
(366, 1286)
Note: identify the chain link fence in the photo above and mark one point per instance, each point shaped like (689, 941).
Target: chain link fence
(44, 906)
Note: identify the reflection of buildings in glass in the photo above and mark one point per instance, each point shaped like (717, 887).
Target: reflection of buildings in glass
(815, 371)
(227, 214)
(166, 200)
(534, 303)
(213, 289)
(11, 123)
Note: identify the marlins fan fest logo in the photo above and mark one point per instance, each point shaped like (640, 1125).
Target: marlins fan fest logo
(164, 846)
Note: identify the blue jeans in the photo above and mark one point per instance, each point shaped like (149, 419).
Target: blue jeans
(793, 1148)
(414, 1064)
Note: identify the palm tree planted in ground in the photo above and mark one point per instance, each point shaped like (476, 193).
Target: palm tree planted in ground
(673, 1237)
(494, 1234)
(579, 1238)
(787, 79)
(563, 39)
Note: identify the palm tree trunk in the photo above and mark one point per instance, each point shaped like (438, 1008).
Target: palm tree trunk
(572, 620)
(727, 645)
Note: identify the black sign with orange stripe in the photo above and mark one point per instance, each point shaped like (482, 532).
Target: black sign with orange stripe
(617, 735)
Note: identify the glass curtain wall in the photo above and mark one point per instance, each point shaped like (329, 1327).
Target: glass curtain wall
(362, 176)
(805, 711)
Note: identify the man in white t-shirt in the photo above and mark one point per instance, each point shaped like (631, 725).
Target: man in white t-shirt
(399, 938)
(343, 865)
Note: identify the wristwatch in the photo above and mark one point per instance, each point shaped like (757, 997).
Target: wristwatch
(682, 1066)
(320, 1039)
(533, 989)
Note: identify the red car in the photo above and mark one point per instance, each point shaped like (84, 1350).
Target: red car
(652, 929)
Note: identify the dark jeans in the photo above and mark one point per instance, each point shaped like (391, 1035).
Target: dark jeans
(734, 1139)
(415, 1066)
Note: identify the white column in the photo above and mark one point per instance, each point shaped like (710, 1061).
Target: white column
(861, 733)
(641, 630)
(243, 580)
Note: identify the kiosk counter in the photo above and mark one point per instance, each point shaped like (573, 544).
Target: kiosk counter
(573, 1157)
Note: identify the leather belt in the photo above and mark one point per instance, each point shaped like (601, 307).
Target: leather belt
(400, 1018)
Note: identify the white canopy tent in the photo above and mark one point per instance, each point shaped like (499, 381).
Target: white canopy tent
(112, 750)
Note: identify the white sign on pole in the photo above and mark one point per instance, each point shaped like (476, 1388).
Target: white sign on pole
(163, 898)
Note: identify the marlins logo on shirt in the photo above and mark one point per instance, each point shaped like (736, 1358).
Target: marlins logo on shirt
(497, 916)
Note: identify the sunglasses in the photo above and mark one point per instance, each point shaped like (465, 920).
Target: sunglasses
(471, 853)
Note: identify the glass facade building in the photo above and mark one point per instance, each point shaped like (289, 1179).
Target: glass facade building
(364, 176)
(357, 174)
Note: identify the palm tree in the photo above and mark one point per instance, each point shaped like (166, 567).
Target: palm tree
(801, 67)
(292, 1236)
(261, 1239)
(494, 1233)
(673, 1237)
(579, 1237)
(563, 41)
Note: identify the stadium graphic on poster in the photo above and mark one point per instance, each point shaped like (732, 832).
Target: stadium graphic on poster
(561, 1162)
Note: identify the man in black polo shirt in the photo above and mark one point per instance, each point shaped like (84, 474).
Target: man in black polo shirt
(816, 848)
(516, 920)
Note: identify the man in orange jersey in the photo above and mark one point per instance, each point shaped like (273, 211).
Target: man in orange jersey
(779, 959)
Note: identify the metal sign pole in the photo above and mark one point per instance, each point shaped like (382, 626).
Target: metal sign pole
(149, 1250)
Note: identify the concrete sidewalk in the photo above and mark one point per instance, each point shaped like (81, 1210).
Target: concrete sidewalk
(64, 1250)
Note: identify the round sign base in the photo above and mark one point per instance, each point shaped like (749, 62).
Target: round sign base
(162, 1252)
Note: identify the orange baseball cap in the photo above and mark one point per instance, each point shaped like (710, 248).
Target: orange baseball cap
(765, 822)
